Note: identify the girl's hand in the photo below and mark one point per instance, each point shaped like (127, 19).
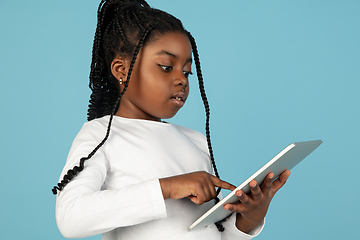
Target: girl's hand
(198, 186)
(251, 209)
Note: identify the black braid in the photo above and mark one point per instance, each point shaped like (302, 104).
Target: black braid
(207, 125)
(115, 36)
(205, 101)
(73, 172)
(123, 28)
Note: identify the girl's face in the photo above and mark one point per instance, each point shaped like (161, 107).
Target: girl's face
(158, 85)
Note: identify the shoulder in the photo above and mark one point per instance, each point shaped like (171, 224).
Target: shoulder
(97, 122)
(190, 132)
(93, 129)
(196, 137)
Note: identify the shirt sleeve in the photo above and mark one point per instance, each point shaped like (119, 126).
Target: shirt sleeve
(83, 209)
(231, 232)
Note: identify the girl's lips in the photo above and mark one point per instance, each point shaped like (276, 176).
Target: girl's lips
(177, 102)
(180, 95)
(179, 99)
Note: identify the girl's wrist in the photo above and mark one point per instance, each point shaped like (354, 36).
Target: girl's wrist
(244, 225)
(164, 187)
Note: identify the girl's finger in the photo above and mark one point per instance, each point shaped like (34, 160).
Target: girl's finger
(280, 181)
(235, 207)
(211, 189)
(199, 196)
(267, 184)
(220, 183)
(255, 190)
(207, 191)
(244, 199)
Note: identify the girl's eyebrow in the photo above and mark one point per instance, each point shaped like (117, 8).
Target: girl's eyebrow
(163, 52)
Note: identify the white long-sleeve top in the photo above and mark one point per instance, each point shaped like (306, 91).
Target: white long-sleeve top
(118, 193)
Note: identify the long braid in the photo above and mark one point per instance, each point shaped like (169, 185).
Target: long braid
(73, 172)
(95, 85)
(207, 112)
(112, 25)
(205, 101)
(97, 65)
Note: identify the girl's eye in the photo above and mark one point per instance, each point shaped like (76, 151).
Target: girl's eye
(186, 74)
(166, 68)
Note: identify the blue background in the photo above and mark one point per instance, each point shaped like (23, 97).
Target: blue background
(276, 72)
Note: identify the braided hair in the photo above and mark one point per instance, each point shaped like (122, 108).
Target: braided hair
(123, 28)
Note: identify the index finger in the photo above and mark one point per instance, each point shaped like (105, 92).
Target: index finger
(220, 183)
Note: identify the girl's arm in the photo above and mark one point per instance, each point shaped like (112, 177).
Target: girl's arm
(83, 209)
(83, 212)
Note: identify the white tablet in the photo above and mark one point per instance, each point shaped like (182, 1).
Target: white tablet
(286, 159)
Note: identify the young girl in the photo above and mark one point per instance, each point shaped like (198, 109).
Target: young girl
(133, 176)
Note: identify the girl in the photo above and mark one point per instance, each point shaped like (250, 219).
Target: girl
(146, 179)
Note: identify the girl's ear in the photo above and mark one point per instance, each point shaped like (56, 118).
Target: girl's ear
(119, 68)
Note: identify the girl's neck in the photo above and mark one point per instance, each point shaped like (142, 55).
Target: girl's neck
(133, 113)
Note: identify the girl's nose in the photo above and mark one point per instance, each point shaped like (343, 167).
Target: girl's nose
(180, 80)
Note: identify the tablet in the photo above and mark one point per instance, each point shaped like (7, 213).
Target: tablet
(286, 159)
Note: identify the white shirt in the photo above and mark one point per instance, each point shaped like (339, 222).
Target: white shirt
(118, 192)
